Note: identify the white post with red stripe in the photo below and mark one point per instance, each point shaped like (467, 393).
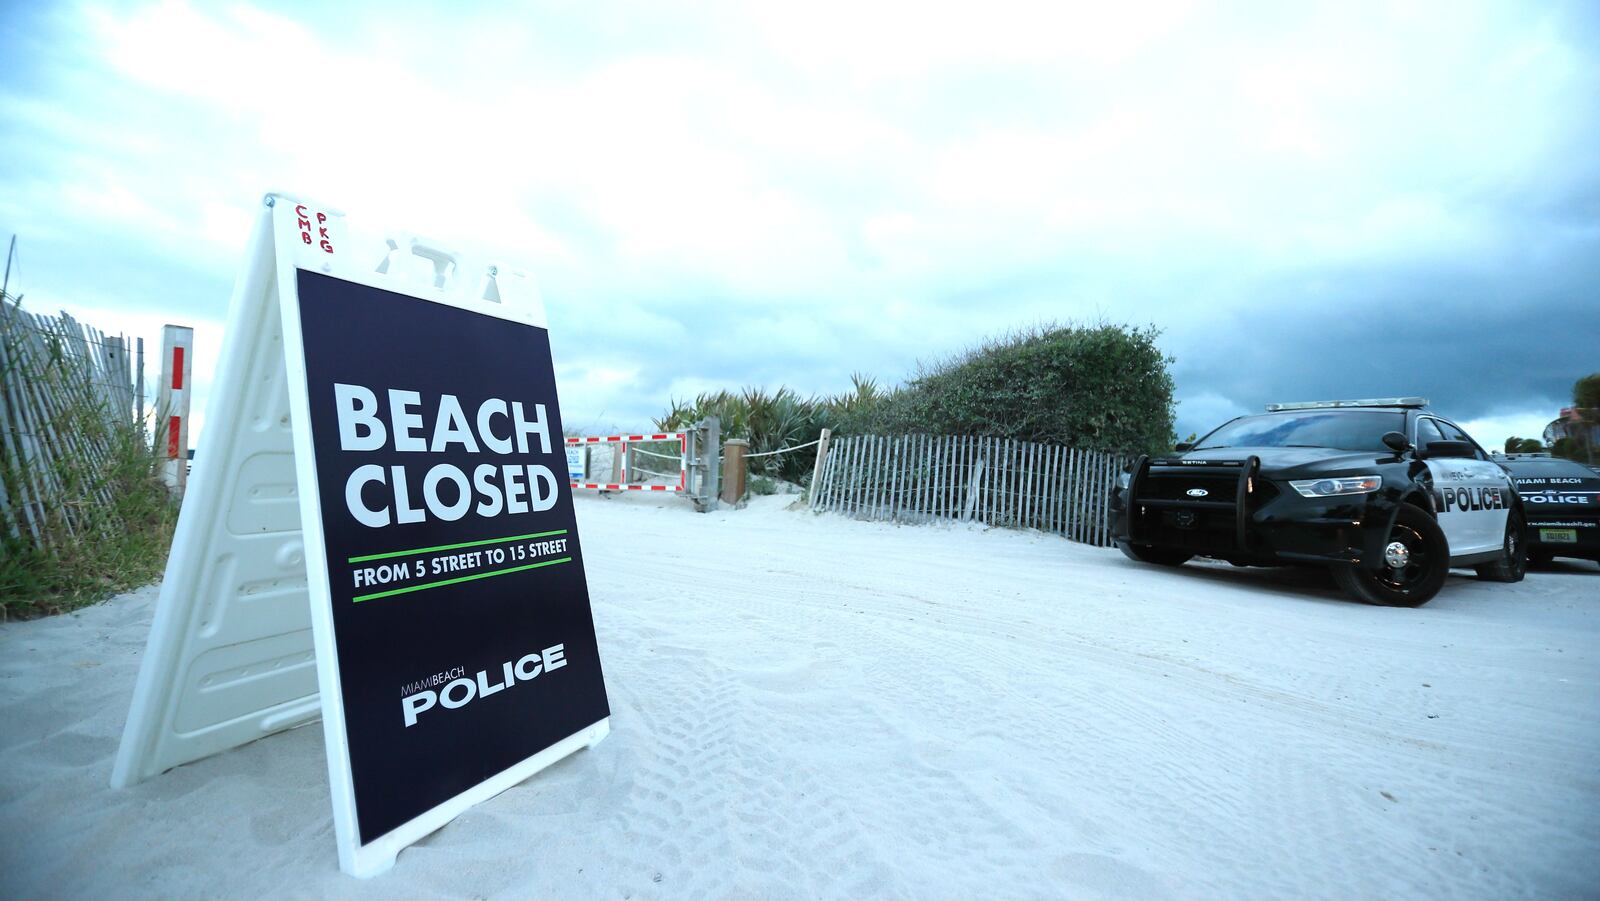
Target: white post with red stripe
(172, 404)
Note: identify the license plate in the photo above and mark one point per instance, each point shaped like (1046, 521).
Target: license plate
(1559, 536)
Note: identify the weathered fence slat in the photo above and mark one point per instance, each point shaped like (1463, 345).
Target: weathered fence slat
(888, 477)
(1036, 492)
(994, 469)
(994, 477)
(863, 476)
(1010, 515)
(1056, 490)
(988, 476)
(925, 488)
(869, 446)
(1008, 478)
(881, 508)
(997, 497)
(902, 451)
(54, 372)
(852, 479)
(958, 472)
(842, 495)
(1047, 456)
(1071, 478)
(915, 478)
(1031, 519)
(1099, 501)
(891, 460)
(1100, 482)
(858, 475)
(958, 461)
(874, 506)
(952, 466)
(979, 485)
(1047, 496)
(1075, 487)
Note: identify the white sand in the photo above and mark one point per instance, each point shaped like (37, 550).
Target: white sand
(815, 707)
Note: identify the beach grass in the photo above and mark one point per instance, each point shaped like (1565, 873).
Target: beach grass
(103, 522)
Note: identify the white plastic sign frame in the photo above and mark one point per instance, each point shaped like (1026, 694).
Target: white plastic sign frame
(244, 640)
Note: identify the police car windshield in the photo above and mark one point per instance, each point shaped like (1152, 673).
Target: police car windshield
(1346, 429)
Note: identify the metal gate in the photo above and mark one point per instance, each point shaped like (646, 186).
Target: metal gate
(690, 469)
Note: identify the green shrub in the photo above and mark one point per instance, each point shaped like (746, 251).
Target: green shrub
(769, 421)
(102, 548)
(1103, 387)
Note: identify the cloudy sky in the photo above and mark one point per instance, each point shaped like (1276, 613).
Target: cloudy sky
(1312, 201)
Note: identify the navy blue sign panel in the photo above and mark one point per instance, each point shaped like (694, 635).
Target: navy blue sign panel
(465, 642)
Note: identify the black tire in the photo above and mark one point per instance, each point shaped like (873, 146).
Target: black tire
(1163, 556)
(1513, 562)
(1424, 562)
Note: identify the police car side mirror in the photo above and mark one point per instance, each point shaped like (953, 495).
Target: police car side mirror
(1449, 449)
(1396, 442)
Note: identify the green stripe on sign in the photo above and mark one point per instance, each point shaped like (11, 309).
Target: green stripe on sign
(451, 547)
(458, 580)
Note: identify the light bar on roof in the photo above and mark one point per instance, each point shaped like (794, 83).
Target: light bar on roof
(1335, 404)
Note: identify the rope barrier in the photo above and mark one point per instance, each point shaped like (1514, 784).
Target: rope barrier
(637, 450)
(784, 450)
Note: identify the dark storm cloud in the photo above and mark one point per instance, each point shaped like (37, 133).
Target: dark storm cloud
(1473, 343)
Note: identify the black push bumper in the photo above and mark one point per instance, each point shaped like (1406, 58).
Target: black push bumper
(1228, 510)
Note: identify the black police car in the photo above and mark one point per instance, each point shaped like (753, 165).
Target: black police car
(1384, 492)
(1562, 499)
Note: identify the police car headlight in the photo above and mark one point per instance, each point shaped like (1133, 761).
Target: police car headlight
(1335, 487)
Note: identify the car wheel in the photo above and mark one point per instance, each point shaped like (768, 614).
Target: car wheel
(1164, 556)
(1416, 561)
(1513, 562)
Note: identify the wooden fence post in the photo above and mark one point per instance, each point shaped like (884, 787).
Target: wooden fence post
(816, 471)
(733, 469)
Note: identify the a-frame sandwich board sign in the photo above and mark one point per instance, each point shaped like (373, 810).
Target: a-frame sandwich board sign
(379, 530)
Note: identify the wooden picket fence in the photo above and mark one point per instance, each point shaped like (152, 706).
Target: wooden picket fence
(995, 481)
(53, 372)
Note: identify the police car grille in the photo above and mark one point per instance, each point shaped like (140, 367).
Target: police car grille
(1176, 487)
(1210, 531)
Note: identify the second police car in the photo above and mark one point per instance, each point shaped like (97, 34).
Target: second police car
(1563, 503)
(1385, 493)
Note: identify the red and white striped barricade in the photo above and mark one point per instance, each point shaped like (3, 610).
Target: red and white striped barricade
(628, 467)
